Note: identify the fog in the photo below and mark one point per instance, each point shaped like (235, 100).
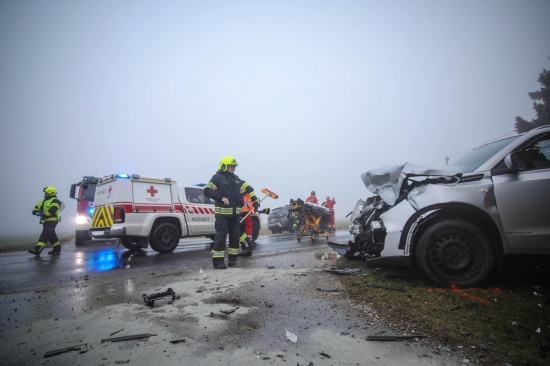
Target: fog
(306, 95)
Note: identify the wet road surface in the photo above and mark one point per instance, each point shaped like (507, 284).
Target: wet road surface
(23, 271)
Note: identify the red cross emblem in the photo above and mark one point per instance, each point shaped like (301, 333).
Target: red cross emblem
(110, 189)
(152, 191)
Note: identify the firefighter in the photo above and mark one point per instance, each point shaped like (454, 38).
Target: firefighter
(227, 190)
(246, 226)
(329, 203)
(312, 198)
(49, 211)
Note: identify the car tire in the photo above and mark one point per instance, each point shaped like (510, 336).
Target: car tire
(81, 237)
(454, 252)
(132, 244)
(255, 227)
(165, 238)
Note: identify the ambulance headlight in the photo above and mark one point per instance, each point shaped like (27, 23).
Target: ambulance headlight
(81, 220)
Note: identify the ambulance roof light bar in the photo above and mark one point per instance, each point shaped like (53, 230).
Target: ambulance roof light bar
(122, 175)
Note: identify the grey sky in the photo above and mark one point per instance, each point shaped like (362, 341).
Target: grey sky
(304, 94)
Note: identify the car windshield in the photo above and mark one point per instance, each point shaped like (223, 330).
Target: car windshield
(471, 160)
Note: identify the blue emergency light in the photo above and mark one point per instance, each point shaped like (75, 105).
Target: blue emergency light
(122, 175)
(91, 210)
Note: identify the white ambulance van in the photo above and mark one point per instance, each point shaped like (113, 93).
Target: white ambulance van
(142, 211)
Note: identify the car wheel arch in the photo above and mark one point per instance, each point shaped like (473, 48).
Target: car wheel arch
(455, 211)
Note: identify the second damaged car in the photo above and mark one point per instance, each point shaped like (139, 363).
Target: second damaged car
(457, 224)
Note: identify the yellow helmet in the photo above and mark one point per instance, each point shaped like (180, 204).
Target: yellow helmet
(227, 161)
(51, 191)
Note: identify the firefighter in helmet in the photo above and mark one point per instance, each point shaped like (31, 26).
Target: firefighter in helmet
(49, 211)
(227, 190)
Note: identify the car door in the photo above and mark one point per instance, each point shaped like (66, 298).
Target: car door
(199, 211)
(523, 200)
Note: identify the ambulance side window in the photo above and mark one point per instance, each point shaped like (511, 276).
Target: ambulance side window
(196, 195)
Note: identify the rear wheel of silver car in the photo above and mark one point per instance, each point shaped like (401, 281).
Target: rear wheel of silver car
(165, 238)
(455, 252)
(132, 244)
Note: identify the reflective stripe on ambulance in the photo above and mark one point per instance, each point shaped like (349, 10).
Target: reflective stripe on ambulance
(103, 216)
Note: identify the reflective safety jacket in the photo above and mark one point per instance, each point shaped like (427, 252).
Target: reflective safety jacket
(230, 186)
(247, 205)
(49, 209)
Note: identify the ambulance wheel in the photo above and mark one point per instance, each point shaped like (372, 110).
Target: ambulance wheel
(255, 227)
(165, 238)
(131, 244)
(81, 238)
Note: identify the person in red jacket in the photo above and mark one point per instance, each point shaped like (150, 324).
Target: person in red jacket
(329, 203)
(312, 198)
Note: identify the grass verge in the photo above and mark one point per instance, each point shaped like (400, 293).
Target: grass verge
(505, 322)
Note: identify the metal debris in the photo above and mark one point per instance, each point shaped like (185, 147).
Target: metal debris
(229, 311)
(393, 337)
(150, 299)
(128, 337)
(81, 348)
(176, 341)
(347, 271)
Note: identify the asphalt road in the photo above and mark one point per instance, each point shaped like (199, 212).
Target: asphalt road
(241, 315)
(108, 258)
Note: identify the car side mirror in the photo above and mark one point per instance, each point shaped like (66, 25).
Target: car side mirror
(515, 162)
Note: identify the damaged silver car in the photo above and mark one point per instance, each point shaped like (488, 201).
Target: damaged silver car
(458, 223)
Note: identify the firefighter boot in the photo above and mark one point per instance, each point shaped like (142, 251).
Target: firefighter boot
(37, 250)
(247, 251)
(56, 250)
(219, 264)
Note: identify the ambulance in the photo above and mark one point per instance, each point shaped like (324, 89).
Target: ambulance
(149, 211)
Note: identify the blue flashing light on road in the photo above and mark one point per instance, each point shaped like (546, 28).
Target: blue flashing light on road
(122, 175)
(104, 260)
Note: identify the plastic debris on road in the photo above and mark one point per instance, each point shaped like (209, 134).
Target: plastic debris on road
(291, 336)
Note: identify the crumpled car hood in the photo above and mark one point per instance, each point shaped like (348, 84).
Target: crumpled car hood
(387, 181)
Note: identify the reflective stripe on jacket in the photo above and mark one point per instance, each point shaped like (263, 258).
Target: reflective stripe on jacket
(230, 186)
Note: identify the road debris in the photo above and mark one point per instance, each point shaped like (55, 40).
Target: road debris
(324, 354)
(400, 289)
(393, 337)
(118, 331)
(229, 311)
(346, 271)
(176, 341)
(149, 300)
(291, 336)
(81, 348)
(327, 289)
(128, 337)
